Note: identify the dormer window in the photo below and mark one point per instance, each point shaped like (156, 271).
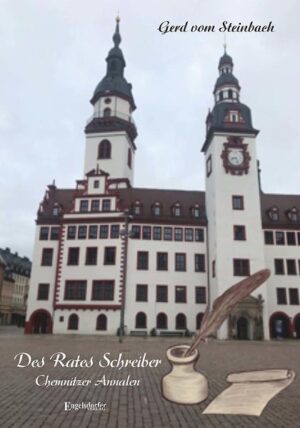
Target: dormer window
(196, 211)
(156, 209)
(104, 150)
(293, 215)
(137, 208)
(55, 210)
(176, 210)
(274, 214)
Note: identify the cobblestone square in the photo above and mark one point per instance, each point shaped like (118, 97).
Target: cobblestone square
(26, 405)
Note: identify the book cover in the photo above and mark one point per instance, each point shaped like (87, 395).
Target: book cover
(149, 162)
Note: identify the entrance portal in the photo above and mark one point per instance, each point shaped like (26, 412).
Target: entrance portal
(41, 322)
(242, 329)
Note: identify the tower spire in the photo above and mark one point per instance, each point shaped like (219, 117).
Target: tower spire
(117, 37)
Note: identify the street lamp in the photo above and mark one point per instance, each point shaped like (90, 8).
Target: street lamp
(125, 233)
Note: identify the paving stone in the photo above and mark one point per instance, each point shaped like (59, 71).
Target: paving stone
(23, 404)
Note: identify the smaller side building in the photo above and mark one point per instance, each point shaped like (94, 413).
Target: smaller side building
(14, 287)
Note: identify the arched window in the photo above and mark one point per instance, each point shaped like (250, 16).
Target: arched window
(73, 322)
(129, 159)
(137, 208)
(141, 320)
(199, 320)
(107, 112)
(180, 322)
(104, 150)
(162, 321)
(156, 209)
(101, 322)
(230, 93)
(274, 214)
(176, 210)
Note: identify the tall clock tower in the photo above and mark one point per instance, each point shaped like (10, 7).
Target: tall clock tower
(235, 237)
(110, 132)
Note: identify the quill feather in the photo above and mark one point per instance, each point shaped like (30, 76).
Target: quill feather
(224, 304)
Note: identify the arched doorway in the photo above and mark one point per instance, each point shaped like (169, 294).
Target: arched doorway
(199, 320)
(101, 322)
(242, 328)
(180, 322)
(297, 325)
(140, 320)
(41, 322)
(161, 321)
(280, 325)
(73, 322)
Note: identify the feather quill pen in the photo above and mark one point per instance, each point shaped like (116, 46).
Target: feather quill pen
(224, 304)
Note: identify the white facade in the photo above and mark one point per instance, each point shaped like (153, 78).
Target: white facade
(163, 256)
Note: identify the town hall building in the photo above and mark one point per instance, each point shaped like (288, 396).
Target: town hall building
(112, 258)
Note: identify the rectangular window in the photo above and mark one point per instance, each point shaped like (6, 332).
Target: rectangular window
(93, 232)
(200, 294)
(168, 233)
(291, 267)
(75, 290)
(281, 296)
(294, 296)
(84, 206)
(298, 238)
(106, 205)
(142, 293)
(103, 290)
(82, 232)
(239, 233)
(241, 267)
(136, 232)
(115, 231)
(47, 257)
(199, 263)
(91, 256)
(162, 261)
(188, 234)
(180, 262)
(43, 292)
(96, 184)
(110, 255)
(142, 260)
(291, 238)
(237, 202)
(269, 237)
(180, 294)
(146, 232)
(157, 233)
(103, 232)
(279, 237)
(279, 266)
(178, 234)
(73, 256)
(213, 268)
(54, 236)
(44, 233)
(71, 232)
(199, 235)
(95, 206)
(161, 293)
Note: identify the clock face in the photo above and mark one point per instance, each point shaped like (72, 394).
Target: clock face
(236, 157)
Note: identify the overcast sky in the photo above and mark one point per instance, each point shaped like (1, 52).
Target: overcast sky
(52, 55)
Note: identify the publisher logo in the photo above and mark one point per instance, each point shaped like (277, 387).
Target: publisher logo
(92, 407)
